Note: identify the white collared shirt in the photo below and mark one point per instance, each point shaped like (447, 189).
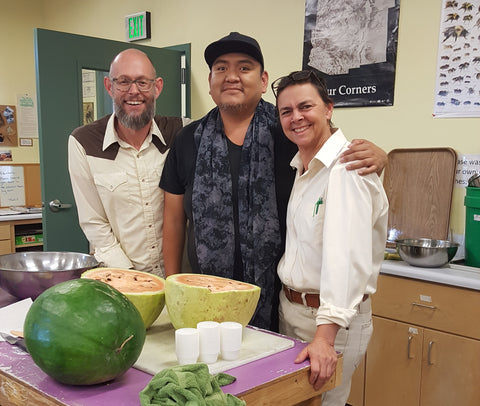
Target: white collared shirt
(336, 233)
(119, 202)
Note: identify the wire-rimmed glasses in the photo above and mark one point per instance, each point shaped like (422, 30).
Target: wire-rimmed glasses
(124, 84)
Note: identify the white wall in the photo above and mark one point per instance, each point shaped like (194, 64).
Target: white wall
(278, 26)
(17, 62)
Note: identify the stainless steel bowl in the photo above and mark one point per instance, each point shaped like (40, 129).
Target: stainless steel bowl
(28, 274)
(425, 252)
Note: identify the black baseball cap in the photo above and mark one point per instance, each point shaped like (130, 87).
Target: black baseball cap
(233, 43)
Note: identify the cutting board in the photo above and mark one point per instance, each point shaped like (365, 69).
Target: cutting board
(419, 186)
(159, 349)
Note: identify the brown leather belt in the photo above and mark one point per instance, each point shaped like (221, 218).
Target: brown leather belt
(311, 299)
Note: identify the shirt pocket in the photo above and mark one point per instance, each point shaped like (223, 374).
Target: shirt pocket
(111, 182)
(312, 227)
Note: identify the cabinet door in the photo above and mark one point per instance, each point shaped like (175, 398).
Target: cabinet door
(6, 245)
(394, 361)
(450, 370)
(358, 385)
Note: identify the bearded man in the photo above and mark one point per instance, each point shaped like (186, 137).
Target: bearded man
(115, 164)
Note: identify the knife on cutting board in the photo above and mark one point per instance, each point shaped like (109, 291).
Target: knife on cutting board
(18, 341)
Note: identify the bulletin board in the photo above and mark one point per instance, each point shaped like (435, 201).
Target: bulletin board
(20, 185)
(8, 126)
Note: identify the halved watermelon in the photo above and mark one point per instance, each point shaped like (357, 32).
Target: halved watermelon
(145, 290)
(191, 298)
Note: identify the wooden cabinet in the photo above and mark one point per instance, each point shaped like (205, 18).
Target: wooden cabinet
(426, 345)
(425, 349)
(411, 365)
(9, 229)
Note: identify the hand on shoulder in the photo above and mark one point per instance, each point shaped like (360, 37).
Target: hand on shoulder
(364, 156)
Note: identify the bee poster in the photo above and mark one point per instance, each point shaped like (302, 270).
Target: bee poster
(457, 89)
(353, 45)
(8, 126)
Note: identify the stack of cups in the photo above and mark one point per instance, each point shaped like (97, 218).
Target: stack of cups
(230, 340)
(207, 341)
(187, 345)
(209, 332)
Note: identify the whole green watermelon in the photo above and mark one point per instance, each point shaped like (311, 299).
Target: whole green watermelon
(83, 332)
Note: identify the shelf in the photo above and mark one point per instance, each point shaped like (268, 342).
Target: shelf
(24, 226)
(36, 244)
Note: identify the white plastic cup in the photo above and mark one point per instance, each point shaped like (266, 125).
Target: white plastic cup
(230, 340)
(187, 345)
(209, 332)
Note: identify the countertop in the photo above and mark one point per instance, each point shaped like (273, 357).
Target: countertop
(20, 216)
(464, 278)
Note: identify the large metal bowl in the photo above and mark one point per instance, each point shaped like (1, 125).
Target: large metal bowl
(426, 252)
(28, 274)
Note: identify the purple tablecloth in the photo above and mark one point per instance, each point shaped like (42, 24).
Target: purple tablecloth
(124, 390)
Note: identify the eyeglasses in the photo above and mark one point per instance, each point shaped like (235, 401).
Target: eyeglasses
(299, 76)
(124, 84)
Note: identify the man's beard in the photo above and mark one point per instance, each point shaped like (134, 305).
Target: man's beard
(132, 121)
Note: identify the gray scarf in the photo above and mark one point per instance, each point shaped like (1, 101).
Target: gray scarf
(259, 227)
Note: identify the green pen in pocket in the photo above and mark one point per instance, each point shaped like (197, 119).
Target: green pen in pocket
(317, 205)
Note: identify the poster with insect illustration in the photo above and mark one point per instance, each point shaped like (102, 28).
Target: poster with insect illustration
(457, 90)
(8, 126)
(353, 45)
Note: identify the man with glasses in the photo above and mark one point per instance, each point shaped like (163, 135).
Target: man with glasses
(229, 175)
(115, 164)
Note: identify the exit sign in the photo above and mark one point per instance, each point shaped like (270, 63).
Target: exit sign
(137, 26)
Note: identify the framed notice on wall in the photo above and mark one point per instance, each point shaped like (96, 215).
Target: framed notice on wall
(12, 186)
(20, 185)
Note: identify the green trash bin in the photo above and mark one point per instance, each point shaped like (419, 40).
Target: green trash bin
(472, 227)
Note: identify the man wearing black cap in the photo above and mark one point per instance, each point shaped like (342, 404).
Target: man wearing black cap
(223, 173)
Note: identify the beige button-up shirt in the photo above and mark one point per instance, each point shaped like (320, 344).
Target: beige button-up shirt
(119, 202)
(336, 233)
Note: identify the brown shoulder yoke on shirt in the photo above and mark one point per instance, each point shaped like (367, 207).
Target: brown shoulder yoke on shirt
(91, 136)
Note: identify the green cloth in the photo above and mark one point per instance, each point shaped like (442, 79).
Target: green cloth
(188, 385)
